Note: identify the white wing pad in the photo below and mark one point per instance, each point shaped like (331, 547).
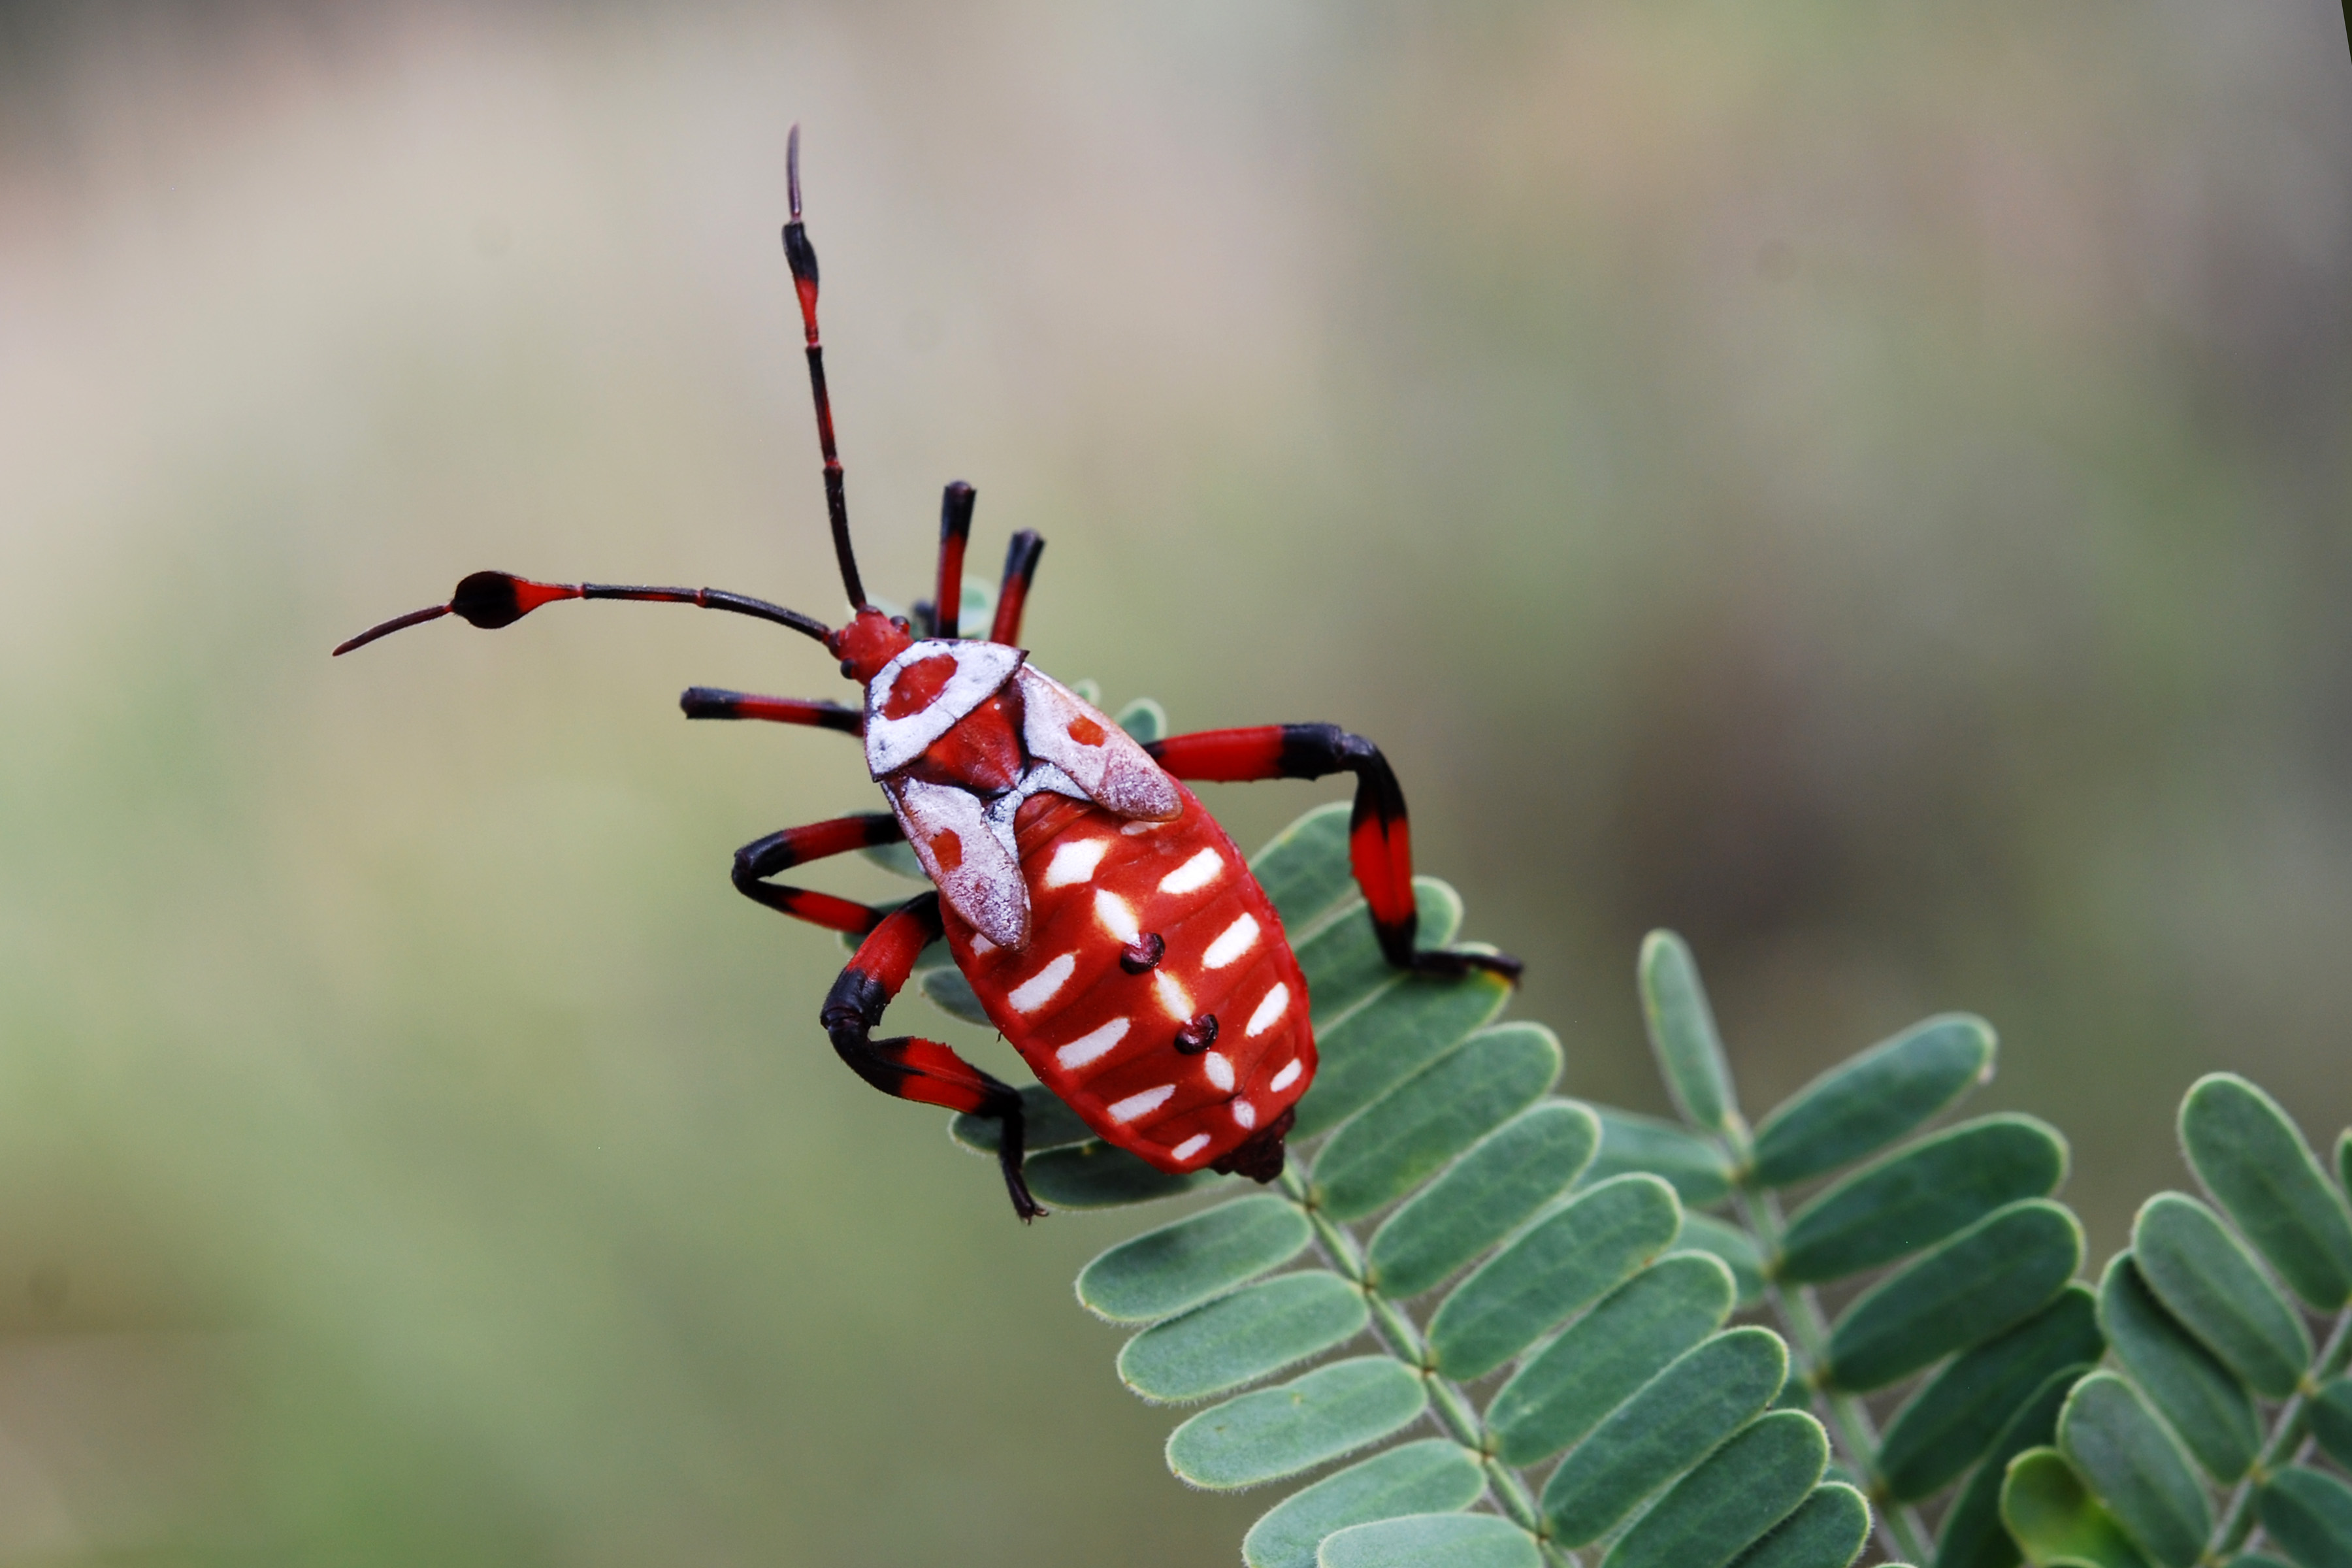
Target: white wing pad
(966, 856)
(1060, 727)
(981, 668)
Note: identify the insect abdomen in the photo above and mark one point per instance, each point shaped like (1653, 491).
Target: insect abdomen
(1179, 1050)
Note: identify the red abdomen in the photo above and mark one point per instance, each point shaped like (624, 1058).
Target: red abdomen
(1105, 1039)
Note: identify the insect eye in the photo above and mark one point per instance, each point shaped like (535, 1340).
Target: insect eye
(849, 670)
(901, 622)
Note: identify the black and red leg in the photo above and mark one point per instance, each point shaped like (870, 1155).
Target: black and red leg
(1379, 842)
(907, 1066)
(763, 857)
(712, 702)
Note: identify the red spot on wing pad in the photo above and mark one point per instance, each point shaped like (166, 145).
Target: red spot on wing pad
(918, 685)
(1086, 731)
(947, 845)
(1215, 1101)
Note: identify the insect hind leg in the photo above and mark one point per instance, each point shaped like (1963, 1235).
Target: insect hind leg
(909, 1067)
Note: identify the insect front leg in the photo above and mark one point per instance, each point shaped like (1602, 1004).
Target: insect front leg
(907, 1067)
(763, 857)
(712, 702)
(1380, 843)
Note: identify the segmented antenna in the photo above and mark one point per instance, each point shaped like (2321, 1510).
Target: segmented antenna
(802, 258)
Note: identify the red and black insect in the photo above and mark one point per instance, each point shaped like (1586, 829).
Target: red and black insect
(1107, 924)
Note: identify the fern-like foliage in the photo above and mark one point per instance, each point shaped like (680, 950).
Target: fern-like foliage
(1516, 1297)
(2226, 1403)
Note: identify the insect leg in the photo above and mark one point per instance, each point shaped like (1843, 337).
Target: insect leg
(1013, 594)
(711, 702)
(763, 857)
(907, 1067)
(1380, 845)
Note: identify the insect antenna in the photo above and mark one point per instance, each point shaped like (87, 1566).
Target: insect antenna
(494, 599)
(802, 258)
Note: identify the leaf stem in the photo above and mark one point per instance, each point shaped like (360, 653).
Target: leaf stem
(2286, 1441)
(1900, 1529)
(1402, 1339)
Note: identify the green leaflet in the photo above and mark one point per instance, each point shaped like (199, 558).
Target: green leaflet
(2331, 1421)
(2256, 1560)
(1634, 1332)
(1917, 1196)
(2193, 1391)
(2051, 1515)
(1556, 1265)
(1671, 1423)
(1506, 1176)
(1410, 1023)
(1696, 1166)
(1235, 1340)
(1094, 1175)
(1406, 1136)
(1143, 719)
(1046, 1123)
(1277, 1432)
(1734, 1247)
(1683, 1033)
(1957, 1415)
(1198, 1258)
(1433, 1541)
(1718, 1511)
(1868, 1101)
(1827, 1531)
(1304, 869)
(1973, 1535)
(2216, 1291)
(1995, 1274)
(1341, 956)
(2257, 1168)
(1426, 1477)
(2309, 1514)
(950, 993)
(2135, 1468)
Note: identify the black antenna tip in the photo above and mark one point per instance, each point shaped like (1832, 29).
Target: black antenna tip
(792, 168)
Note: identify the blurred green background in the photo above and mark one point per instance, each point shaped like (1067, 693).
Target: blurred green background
(1864, 486)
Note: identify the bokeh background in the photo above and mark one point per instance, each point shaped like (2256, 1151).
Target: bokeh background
(1866, 486)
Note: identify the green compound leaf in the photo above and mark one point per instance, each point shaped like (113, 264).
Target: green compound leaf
(1433, 1541)
(2210, 1285)
(2331, 1421)
(1718, 1511)
(1697, 1167)
(1585, 1248)
(1046, 1123)
(1341, 956)
(1253, 1333)
(2055, 1519)
(1990, 1276)
(1605, 1356)
(1165, 1271)
(1427, 1477)
(1734, 1247)
(1304, 869)
(1143, 719)
(1916, 1197)
(1485, 1194)
(1827, 1531)
(1973, 1535)
(1961, 1411)
(2256, 1560)
(1683, 1034)
(2136, 1468)
(1406, 1136)
(1867, 1102)
(1094, 1175)
(1673, 1422)
(2309, 1515)
(1277, 1432)
(1383, 1044)
(2257, 1168)
(2192, 1391)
